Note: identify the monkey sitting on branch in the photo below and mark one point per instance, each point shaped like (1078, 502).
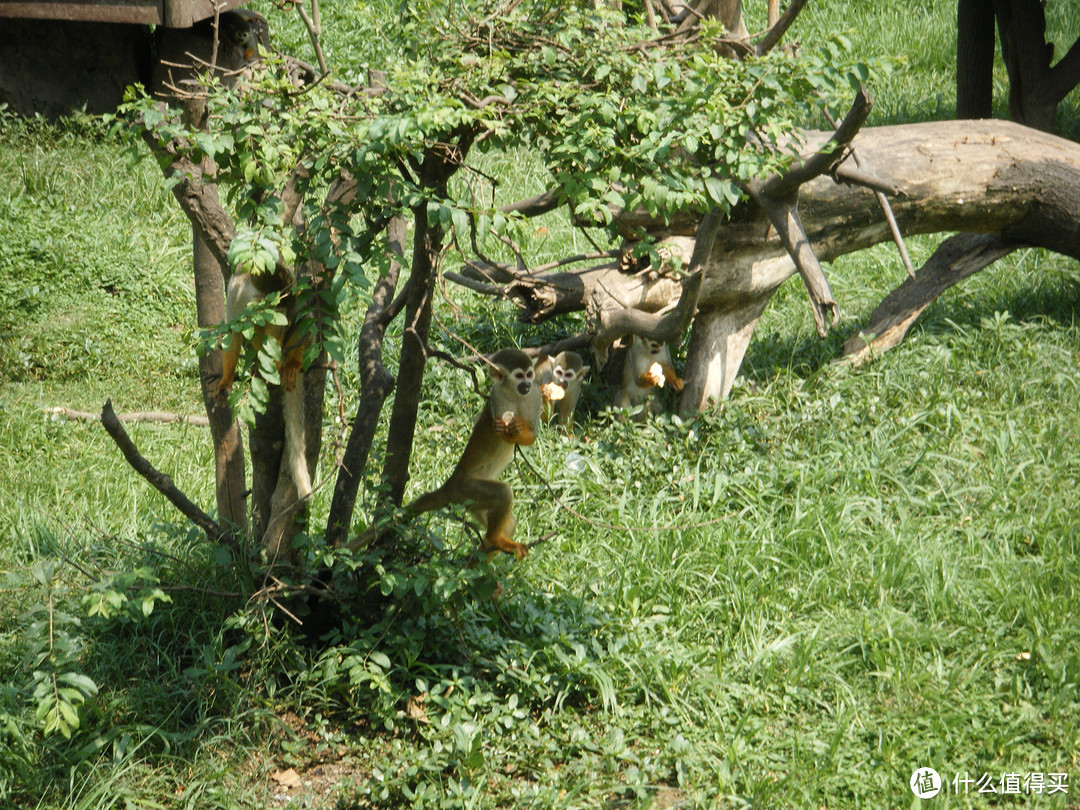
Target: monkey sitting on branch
(559, 379)
(647, 367)
(509, 418)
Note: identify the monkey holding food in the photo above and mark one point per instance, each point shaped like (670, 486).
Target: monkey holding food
(647, 367)
(509, 418)
(559, 379)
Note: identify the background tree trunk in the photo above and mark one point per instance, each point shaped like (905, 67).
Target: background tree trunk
(1027, 55)
(974, 59)
(1036, 87)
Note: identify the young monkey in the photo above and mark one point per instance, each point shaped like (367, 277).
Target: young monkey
(243, 290)
(559, 378)
(647, 367)
(509, 418)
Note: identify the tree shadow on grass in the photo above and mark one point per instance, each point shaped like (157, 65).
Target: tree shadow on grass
(1054, 297)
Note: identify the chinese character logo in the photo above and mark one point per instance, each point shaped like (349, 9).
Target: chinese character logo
(925, 783)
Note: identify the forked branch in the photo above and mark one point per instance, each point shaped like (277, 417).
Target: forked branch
(778, 197)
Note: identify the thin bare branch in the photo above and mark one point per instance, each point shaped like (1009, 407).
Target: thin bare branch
(886, 208)
(159, 480)
(314, 29)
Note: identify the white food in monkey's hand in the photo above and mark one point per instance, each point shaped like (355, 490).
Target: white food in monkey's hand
(508, 417)
(656, 374)
(554, 391)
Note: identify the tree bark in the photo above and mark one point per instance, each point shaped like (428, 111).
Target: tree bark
(974, 59)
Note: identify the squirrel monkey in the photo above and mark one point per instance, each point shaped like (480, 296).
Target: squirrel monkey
(509, 418)
(245, 289)
(647, 367)
(559, 378)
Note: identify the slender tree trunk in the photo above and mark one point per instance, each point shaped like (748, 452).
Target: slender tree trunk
(427, 243)
(974, 59)
(230, 481)
(375, 386)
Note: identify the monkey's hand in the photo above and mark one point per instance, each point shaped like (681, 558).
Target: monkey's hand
(653, 377)
(673, 379)
(514, 428)
(221, 392)
(553, 392)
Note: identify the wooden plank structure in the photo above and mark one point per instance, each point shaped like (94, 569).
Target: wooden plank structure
(62, 55)
(169, 13)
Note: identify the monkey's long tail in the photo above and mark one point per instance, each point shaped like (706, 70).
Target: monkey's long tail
(295, 449)
(436, 499)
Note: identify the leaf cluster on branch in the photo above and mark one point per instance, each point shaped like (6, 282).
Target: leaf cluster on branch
(621, 126)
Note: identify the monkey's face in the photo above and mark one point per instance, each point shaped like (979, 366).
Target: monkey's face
(522, 379)
(654, 346)
(564, 376)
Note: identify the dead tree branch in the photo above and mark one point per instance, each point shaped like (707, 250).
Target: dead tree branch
(778, 197)
(138, 416)
(159, 480)
(955, 259)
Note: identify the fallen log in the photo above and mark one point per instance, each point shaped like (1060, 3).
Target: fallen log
(977, 177)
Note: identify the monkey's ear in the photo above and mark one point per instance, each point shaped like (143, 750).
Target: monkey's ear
(497, 372)
(584, 371)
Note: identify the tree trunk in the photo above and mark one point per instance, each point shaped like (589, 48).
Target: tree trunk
(427, 244)
(1027, 55)
(375, 386)
(974, 59)
(230, 481)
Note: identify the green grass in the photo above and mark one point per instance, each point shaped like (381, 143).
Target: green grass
(836, 578)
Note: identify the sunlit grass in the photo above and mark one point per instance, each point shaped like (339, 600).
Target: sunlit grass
(836, 577)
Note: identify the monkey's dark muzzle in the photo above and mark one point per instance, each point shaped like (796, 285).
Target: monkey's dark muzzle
(523, 387)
